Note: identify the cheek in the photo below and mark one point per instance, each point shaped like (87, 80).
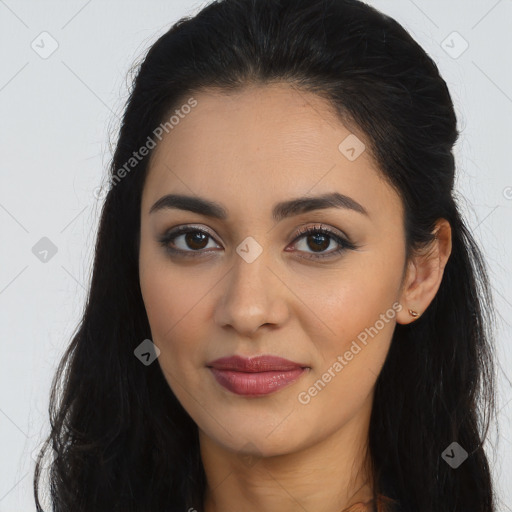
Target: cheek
(175, 304)
(170, 294)
(351, 303)
(162, 308)
(354, 311)
(357, 320)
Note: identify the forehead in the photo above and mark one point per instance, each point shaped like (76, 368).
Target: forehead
(271, 141)
(257, 121)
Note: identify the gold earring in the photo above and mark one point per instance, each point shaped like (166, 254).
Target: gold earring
(413, 313)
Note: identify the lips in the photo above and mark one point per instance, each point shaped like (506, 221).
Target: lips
(255, 376)
(264, 363)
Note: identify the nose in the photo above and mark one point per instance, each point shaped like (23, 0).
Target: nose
(253, 296)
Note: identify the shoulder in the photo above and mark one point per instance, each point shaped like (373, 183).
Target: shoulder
(381, 504)
(360, 507)
(384, 504)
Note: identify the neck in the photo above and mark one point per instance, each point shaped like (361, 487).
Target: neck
(328, 476)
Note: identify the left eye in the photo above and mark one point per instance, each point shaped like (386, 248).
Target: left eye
(318, 239)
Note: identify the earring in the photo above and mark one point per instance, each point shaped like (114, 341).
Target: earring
(413, 313)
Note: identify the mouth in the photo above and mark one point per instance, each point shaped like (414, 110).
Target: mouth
(257, 376)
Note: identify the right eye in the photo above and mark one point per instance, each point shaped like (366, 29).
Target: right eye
(193, 238)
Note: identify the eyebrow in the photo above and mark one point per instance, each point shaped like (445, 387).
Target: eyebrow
(280, 211)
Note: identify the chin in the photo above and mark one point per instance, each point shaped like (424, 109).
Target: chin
(259, 442)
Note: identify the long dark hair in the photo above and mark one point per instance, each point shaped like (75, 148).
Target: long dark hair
(120, 438)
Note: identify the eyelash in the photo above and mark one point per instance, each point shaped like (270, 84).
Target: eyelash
(311, 230)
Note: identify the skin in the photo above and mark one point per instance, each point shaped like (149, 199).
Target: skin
(248, 151)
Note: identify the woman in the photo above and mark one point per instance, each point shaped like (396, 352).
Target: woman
(287, 311)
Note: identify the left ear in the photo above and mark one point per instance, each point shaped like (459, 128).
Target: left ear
(425, 273)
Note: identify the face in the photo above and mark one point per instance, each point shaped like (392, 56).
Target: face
(253, 283)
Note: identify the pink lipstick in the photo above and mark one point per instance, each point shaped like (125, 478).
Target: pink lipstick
(255, 376)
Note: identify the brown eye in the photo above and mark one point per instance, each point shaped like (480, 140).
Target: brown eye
(319, 239)
(193, 240)
(319, 242)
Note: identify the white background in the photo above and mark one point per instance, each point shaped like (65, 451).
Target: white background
(58, 115)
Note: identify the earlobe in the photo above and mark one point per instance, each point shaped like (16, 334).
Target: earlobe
(407, 315)
(408, 312)
(425, 274)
